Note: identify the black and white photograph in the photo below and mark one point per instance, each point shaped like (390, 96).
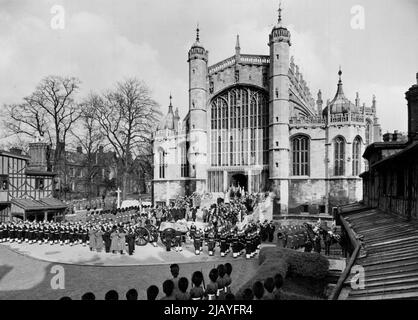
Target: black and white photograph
(225, 151)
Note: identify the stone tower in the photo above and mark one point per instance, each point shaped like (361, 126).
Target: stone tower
(197, 126)
(279, 115)
(412, 97)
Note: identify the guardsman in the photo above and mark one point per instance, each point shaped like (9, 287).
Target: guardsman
(211, 242)
(196, 242)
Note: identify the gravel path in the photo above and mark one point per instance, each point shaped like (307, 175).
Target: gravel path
(23, 277)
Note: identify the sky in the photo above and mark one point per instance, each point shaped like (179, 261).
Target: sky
(103, 42)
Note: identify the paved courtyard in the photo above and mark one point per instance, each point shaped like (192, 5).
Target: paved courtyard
(27, 271)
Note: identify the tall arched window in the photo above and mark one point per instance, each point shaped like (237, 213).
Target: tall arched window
(368, 132)
(184, 161)
(339, 156)
(300, 156)
(162, 164)
(239, 112)
(356, 156)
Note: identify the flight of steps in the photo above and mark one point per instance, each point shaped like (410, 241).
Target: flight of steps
(391, 261)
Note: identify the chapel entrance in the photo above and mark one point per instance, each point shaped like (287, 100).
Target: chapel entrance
(238, 180)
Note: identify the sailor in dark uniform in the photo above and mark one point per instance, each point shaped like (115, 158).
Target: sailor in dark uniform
(223, 244)
(29, 234)
(211, 242)
(84, 236)
(19, 233)
(72, 235)
(25, 234)
(235, 245)
(272, 228)
(56, 234)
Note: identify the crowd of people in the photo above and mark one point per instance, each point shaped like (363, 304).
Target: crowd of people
(112, 231)
(216, 286)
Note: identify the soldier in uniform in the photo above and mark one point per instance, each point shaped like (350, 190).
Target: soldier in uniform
(196, 243)
(130, 239)
(178, 241)
(211, 243)
(223, 244)
(56, 234)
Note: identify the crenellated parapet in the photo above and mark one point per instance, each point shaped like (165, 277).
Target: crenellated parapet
(334, 119)
(245, 59)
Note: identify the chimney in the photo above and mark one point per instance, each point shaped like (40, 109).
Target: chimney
(412, 97)
(38, 153)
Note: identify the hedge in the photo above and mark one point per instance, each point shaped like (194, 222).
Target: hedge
(288, 262)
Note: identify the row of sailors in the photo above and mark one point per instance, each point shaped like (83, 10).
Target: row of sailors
(55, 232)
(71, 233)
(238, 242)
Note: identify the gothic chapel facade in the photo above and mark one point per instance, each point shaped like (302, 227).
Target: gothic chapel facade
(253, 122)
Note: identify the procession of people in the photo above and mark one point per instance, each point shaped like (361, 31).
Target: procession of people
(110, 231)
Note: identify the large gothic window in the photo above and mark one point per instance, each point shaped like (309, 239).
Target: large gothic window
(184, 161)
(161, 155)
(239, 127)
(356, 156)
(339, 156)
(300, 156)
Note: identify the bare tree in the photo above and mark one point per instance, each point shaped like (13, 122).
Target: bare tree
(127, 116)
(50, 110)
(88, 136)
(25, 120)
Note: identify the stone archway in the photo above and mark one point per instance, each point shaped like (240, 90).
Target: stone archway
(239, 180)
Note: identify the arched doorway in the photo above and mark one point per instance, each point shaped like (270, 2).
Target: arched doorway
(239, 180)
